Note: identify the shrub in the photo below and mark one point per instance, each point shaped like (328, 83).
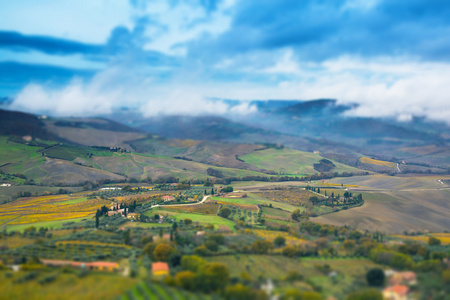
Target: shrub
(432, 241)
(279, 241)
(224, 212)
(375, 277)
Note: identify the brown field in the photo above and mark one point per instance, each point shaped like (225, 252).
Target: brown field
(207, 208)
(293, 196)
(397, 211)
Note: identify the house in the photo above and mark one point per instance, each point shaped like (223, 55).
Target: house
(133, 216)
(113, 212)
(160, 269)
(5, 184)
(167, 198)
(396, 292)
(406, 278)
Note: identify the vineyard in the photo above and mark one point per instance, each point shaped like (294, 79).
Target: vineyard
(271, 235)
(443, 237)
(367, 160)
(292, 196)
(48, 208)
(239, 205)
(148, 290)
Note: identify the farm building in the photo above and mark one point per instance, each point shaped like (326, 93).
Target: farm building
(160, 269)
(133, 216)
(110, 188)
(167, 198)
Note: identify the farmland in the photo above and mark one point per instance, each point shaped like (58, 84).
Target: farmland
(289, 162)
(293, 196)
(48, 208)
(371, 161)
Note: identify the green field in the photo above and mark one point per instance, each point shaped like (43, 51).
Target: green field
(65, 286)
(290, 162)
(277, 267)
(254, 199)
(49, 224)
(202, 219)
(277, 212)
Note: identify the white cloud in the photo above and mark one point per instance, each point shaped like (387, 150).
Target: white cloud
(172, 26)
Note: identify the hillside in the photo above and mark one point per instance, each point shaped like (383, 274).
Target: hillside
(293, 162)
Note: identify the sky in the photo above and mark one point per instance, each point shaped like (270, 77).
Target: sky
(84, 57)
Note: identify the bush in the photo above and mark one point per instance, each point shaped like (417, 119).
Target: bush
(47, 279)
(375, 277)
(224, 212)
(279, 241)
(432, 241)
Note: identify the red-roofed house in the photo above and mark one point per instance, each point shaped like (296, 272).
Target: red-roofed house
(167, 198)
(396, 292)
(160, 269)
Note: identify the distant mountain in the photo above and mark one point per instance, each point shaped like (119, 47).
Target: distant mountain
(22, 124)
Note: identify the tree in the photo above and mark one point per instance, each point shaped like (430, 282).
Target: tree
(187, 221)
(279, 241)
(97, 221)
(375, 277)
(349, 245)
(185, 280)
(432, 241)
(162, 252)
(296, 214)
(224, 212)
(314, 200)
(262, 246)
(174, 226)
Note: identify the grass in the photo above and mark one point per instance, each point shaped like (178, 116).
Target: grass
(254, 199)
(202, 219)
(273, 212)
(49, 224)
(66, 286)
(289, 162)
(276, 267)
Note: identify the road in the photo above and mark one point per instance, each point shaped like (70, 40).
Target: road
(186, 204)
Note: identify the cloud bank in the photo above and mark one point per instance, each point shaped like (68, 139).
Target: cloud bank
(170, 57)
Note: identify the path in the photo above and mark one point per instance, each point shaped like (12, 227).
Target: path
(186, 204)
(398, 168)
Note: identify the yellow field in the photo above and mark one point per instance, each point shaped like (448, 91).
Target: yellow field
(271, 235)
(48, 208)
(444, 237)
(367, 160)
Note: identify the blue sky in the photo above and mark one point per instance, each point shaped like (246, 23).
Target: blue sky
(79, 57)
